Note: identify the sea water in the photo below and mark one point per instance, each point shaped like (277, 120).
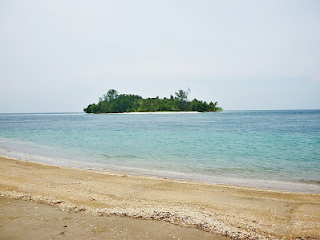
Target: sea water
(266, 149)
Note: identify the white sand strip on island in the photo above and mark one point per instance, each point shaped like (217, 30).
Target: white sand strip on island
(238, 212)
(160, 112)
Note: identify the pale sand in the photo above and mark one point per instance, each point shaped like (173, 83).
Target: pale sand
(237, 212)
(29, 220)
(162, 112)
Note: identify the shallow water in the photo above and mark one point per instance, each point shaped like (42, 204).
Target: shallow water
(268, 149)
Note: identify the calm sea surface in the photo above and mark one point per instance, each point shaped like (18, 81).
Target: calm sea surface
(267, 149)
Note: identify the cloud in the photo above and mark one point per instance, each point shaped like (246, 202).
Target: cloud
(315, 79)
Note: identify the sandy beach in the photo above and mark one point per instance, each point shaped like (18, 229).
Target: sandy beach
(31, 220)
(134, 207)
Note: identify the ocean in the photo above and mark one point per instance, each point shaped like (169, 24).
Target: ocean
(266, 149)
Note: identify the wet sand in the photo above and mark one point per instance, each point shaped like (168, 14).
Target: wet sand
(93, 198)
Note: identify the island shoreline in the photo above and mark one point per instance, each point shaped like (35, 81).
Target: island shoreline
(155, 112)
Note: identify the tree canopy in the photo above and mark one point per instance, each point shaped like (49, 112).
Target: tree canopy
(113, 102)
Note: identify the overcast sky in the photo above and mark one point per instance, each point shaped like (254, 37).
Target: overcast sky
(62, 55)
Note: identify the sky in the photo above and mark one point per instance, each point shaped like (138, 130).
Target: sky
(60, 56)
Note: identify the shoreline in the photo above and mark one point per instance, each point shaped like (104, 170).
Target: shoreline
(264, 184)
(156, 112)
(233, 211)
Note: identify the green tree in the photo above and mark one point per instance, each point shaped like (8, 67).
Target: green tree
(182, 97)
(92, 108)
(111, 95)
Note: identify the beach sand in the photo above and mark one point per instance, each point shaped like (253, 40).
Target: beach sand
(107, 204)
(29, 220)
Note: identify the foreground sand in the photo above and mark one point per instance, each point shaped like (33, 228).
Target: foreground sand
(29, 220)
(236, 212)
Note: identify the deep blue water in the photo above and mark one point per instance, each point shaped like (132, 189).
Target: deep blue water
(268, 149)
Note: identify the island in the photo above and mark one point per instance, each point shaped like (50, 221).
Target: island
(113, 102)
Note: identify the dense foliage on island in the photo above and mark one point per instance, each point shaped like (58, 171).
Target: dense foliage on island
(113, 102)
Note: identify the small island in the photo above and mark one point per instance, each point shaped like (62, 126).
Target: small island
(113, 102)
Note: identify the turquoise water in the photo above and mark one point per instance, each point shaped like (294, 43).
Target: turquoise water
(267, 149)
